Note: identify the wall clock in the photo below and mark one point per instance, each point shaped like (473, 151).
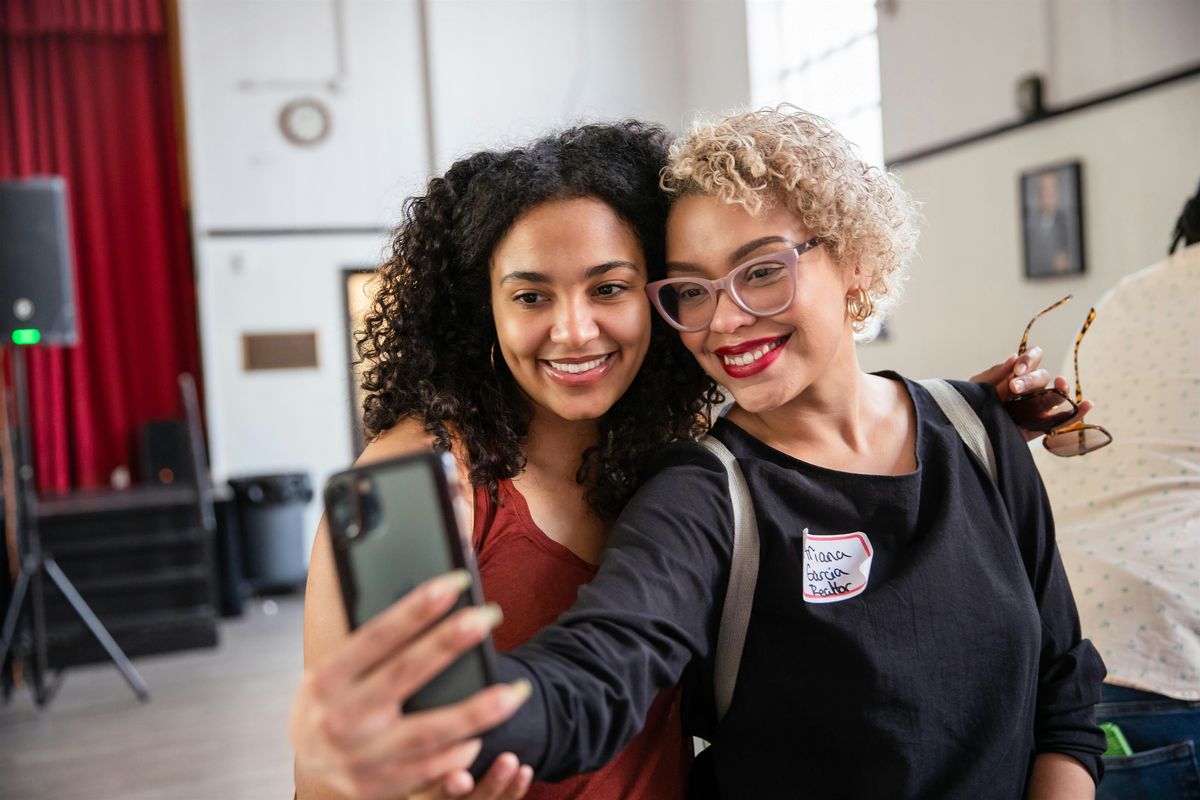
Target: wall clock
(305, 122)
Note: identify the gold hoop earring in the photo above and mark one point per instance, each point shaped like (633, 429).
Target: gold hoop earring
(492, 356)
(860, 306)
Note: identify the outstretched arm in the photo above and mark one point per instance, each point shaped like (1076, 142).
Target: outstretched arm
(652, 608)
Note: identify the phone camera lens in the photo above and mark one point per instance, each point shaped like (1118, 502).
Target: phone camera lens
(338, 502)
(370, 510)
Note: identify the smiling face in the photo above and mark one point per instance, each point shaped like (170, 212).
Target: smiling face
(571, 317)
(764, 362)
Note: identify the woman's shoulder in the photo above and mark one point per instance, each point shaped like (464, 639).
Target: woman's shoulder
(988, 406)
(684, 473)
(682, 457)
(684, 505)
(407, 436)
(1007, 441)
(981, 397)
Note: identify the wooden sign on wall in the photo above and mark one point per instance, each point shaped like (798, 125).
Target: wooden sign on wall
(279, 350)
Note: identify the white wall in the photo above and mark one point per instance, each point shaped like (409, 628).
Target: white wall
(950, 67)
(968, 300)
(287, 420)
(243, 60)
(505, 70)
(495, 81)
(501, 71)
(822, 55)
(715, 74)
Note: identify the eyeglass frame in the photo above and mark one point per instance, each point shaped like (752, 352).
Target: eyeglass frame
(726, 285)
(1080, 426)
(1049, 389)
(1075, 427)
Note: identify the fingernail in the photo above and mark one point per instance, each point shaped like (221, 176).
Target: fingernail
(451, 584)
(519, 691)
(1019, 386)
(458, 785)
(1021, 368)
(482, 619)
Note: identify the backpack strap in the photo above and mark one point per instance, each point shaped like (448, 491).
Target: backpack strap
(743, 577)
(965, 421)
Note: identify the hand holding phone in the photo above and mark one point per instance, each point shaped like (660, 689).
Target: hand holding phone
(393, 525)
(347, 729)
(348, 723)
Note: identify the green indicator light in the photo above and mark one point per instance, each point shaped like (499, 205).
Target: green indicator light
(26, 336)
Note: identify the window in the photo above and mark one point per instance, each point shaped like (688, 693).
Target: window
(823, 56)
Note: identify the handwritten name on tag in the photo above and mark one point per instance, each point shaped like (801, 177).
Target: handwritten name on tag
(836, 567)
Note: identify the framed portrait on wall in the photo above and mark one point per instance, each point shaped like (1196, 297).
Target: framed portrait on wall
(359, 288)
(1052, 220)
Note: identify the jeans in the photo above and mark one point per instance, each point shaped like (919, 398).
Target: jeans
(1164, 735)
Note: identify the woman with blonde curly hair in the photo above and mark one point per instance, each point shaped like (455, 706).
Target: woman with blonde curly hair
(912, 633)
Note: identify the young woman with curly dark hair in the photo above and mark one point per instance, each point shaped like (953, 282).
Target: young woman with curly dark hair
(430, 358)
(511, 328)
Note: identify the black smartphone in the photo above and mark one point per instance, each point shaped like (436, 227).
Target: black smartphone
(393, 526)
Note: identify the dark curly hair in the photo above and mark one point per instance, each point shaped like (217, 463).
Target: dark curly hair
(428, 338)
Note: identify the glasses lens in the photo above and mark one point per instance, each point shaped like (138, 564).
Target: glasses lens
(1040, 411)
(689, 304)
(765, 287)
(1075, 441)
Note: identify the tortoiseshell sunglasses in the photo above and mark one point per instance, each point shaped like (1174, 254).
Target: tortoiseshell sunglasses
(1046, 409)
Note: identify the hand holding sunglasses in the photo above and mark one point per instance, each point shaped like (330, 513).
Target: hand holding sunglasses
(1050, 409)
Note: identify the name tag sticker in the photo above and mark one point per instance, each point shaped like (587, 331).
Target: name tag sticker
(836, 567)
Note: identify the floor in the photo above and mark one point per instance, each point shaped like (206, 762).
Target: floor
(215, 727)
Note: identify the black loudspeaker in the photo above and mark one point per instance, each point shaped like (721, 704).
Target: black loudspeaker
(165, 455)
(37, 293)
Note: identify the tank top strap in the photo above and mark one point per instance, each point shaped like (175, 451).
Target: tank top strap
(485, 516)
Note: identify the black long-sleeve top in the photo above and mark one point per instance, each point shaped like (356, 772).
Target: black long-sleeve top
(959, 661)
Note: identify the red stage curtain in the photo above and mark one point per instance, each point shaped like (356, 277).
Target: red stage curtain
(86, 93)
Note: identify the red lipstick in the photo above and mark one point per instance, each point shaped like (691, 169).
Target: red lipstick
(744, 365)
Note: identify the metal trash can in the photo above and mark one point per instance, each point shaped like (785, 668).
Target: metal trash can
(270, 510)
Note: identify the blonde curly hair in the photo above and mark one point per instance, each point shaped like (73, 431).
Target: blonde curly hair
(784, 154)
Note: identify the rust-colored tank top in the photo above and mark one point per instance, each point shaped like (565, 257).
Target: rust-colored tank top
(534, 579)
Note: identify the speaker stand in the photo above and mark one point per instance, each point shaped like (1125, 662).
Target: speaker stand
(35, 565)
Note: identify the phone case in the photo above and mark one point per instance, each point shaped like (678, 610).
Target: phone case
(357, 514)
